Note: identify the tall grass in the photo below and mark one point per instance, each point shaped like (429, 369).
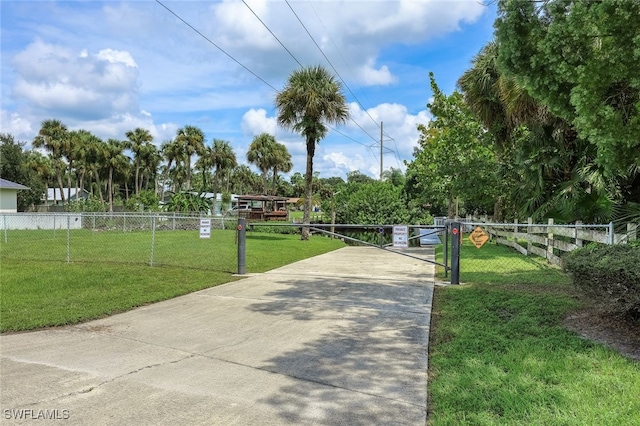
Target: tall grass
(499, 354)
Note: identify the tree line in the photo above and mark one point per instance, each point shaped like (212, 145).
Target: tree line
(134, 171)
(545, 123)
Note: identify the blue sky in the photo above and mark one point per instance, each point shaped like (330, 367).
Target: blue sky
(109, 67)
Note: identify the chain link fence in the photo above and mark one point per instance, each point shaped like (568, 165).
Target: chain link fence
(120, 238)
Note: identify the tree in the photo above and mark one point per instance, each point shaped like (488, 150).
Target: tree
(138, 140)
(311, 99)
(244, 180)
(454, 161)
(394, 176)
(580, 59)
(546, 169)
(191, 141)
(221, 158)
(172, 153)
(281, 161)
(261, 153)
(373, 202)
(356, 176)
(114, 159)
(15, 166)
(150, 159)
(52, 137)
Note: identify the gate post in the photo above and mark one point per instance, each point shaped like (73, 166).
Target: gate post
(456, 238)
(242, 251)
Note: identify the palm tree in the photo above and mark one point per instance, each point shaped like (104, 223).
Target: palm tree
(191, 141)
(244, 180)
(115, 160)
(311, 98)
(171, 152)
(52, 137)
(93, 158)
(42, 166)
(224, 159)
(261, 154)
(138, 140)
(150, 159)
(281, 162)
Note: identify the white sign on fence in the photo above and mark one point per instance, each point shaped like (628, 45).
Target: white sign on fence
(401, 236)
(205, 228)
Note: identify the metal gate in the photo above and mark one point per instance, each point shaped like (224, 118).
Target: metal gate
(447, 232)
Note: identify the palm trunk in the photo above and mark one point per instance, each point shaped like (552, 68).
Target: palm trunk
(264, 182)
(311, 145)
(61, 185)
(275, 181)
(110, 190)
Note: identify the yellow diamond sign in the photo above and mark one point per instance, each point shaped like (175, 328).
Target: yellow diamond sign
(478, 237)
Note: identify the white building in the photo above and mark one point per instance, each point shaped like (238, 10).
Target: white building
(9, 196)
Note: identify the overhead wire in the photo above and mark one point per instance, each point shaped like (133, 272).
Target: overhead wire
(274, 36)
(396, 153)
(217, 47)
(296, 59)
(334, 68)
(291, 54)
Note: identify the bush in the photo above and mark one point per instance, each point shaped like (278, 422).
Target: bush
(609, 275)
(275, 229)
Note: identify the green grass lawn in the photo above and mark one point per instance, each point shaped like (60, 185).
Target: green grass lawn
(499, 354)
(110, 273)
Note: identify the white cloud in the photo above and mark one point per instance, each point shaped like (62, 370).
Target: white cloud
(58, 82)
(255, 122)
(369, 76)
(400, 127)
(16, 125)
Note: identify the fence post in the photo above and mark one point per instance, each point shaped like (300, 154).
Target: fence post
(153, 239)
(4, 219)
(515, 230)
(242, 251)
(611, 235)
(68, 238)
(578, 240)
(550, 240)
(632, 232)
(529, 243)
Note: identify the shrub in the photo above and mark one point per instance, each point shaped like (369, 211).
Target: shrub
(609, 275)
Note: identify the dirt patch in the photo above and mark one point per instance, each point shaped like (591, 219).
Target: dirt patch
(620, 335)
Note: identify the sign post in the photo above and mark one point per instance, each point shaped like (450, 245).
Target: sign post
(242, 251)
(400, 236)
(456, 233)
(478, 237)
(205, 228)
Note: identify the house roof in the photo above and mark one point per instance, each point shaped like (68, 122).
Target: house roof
(7, 184)
(262, 198)
(69, 193)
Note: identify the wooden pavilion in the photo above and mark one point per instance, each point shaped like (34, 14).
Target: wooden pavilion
(263, 207)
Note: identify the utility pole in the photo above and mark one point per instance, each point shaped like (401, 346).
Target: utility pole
(381, 166)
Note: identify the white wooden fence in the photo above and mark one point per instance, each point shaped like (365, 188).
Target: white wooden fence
(550, 240)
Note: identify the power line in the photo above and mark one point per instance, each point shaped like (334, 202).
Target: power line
(343, 60)
(274, 36)
(218, 47)
(293, 56)
(334, 69)
(296, 59)
(337, 73)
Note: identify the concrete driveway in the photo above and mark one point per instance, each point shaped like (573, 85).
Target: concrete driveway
(338, 339)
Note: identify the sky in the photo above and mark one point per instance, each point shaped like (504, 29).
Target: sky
(111, 66)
